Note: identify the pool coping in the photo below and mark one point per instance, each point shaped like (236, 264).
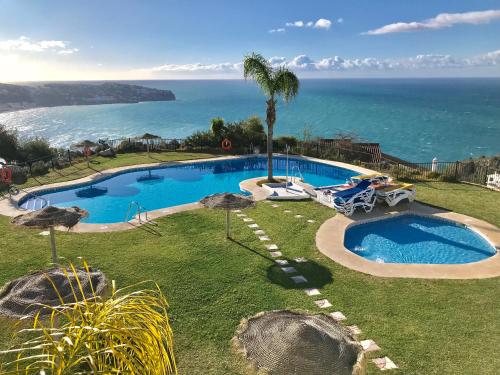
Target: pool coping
(9, 207)
(330, 241)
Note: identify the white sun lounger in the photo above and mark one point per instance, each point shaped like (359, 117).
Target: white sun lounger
(394, 194)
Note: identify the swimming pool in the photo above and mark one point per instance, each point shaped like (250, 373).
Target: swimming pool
(108, 199)
(417, 239)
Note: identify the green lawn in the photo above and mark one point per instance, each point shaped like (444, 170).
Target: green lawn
(425, 326)
(99, 163)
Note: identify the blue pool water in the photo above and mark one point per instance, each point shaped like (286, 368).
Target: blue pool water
(107, 200)
(417, 239)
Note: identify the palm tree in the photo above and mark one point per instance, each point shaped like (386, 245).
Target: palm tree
(274, 83)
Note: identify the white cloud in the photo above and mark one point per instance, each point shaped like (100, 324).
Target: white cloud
(323, 23)
(295, 24)
(304, 63)
(441, 21)
(280, 30)
(25, 44)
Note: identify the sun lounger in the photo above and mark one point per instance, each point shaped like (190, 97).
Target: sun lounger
(394, 194)
(362, 195)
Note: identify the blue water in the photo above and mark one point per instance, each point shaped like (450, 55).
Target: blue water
(107, 200)
(416, 239)
(415, 119)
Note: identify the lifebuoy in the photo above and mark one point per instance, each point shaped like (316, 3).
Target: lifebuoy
(87, 152)
(6, 175)
(226, 144)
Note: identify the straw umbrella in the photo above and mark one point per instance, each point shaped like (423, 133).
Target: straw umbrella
(228, 202)
(49, 217)
(148, 137)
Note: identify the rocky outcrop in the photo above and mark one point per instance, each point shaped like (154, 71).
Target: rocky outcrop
(15, 97)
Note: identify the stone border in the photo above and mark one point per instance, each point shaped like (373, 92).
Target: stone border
(9, 207)
(330, 241)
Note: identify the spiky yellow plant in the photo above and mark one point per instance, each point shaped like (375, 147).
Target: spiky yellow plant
(127, 333)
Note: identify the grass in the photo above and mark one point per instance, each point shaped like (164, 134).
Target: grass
(425, 326)
(99, 163)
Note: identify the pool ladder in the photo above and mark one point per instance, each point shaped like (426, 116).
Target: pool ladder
(140, 213)
(34, 202)
(296, 174)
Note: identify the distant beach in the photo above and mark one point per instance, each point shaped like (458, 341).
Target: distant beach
(415, 119)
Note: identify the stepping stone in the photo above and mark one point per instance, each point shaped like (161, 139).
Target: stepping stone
(259, 231)
(384, 363)
(299, 216)
(236, 211)
(287, 211)
(323, 303)
(369, 346)
(299, 279)
(288, 269)
(300, 260)
(281, 262)
(276, 254)
(264, 238)
(355, 330)
(44, 233)
(253, 225)
(272, 247)
(247, 219)
(311, 221)
(312, 292)
(338, 316)
(275, 205)
(241, 215)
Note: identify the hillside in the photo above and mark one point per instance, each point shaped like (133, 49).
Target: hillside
(16, 97)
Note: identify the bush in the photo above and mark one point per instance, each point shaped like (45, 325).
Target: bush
(39, 168)
(19, 174)
(281, 142)
(127, 333)
(35, 148)
(217, 127)
(447, 178)
(130, 146)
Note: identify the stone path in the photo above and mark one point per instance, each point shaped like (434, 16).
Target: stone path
(369, 346)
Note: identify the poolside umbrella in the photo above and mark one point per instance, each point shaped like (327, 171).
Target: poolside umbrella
(91, 192)
(228, 202)
(149, 177)
(148, 137)
(49, 217)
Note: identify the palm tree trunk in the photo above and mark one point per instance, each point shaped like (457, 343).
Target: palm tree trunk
(270, 120)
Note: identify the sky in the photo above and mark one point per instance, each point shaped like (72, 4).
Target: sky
(44, 40)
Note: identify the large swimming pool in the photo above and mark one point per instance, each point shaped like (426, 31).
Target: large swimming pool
(107, 200)
(417, 239)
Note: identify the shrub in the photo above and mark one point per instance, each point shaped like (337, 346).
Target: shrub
(130, 146)
(19, 174)
(39, 168)
(217, 127)
(447, 178)
(128, 333)
(280, 143)
(35, 148)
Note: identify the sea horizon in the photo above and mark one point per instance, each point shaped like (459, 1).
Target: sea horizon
(413, 118)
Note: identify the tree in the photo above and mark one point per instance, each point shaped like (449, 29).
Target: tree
(274, 83)
(217, 127)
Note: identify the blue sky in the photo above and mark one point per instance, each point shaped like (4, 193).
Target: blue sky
(52, 39)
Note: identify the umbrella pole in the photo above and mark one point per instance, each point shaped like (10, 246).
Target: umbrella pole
(53, 245)
(228, 225)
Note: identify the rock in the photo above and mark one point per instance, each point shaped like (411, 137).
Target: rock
(108, 153)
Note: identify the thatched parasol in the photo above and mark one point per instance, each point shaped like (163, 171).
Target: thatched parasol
(85, 143)
(287, 342)
(49, 217)
(26, 295)
(148, 137)
(228, 202)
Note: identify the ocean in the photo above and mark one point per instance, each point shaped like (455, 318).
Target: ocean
(415, 119)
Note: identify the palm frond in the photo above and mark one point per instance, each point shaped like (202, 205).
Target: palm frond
(256, 67)
(286, 83)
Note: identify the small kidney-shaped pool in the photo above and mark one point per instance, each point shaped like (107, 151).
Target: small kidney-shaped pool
(417, 239)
